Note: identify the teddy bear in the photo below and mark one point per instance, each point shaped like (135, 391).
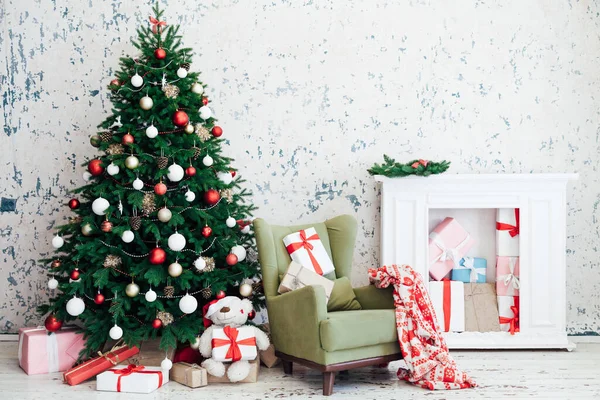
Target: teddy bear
(229, 312)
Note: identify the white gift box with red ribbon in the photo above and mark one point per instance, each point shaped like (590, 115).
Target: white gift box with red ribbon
(234, 344)
(507, 232)
(448, 299)
(305, 247)
(508, 310)
(132, 379)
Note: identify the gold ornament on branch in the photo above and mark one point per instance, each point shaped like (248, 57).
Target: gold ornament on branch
(170, 91)
(169, 291)
(148, 204)
(115, 149)
(202, 132)
(76, 220)
(112, 261)
(165, 317)
(227, 194)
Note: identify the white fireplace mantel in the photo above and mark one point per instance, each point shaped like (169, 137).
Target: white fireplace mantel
(406, 208)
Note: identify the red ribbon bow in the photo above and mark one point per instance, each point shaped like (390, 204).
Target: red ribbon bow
(420, 162)
(234, 353)
(304, 244)
(513, 230)
(157, 26)
(131, 369)
(514, 321)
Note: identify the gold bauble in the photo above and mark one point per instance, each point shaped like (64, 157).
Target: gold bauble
(175, 269)
(146, 103)
(245, 289)
(189, 129)
(132, 290)
(132, 162)
(86, 229)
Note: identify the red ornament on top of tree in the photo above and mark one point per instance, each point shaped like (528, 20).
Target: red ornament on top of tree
(180, 118)
(160, 53)
(212, 197)
(217, 131)
(95, 167)
(74, 204)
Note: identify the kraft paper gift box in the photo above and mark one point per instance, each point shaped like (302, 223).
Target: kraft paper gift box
(296, 277)
(507, 276)
(268, 357)
(132, 379)
(481, 308)
(470, 270)
(234, 344)
(96, 365)
(508, 309)
(507, 232)
(448, 243)
(151, 355)
(306, 249)
(251, 378)
(191, 375)
(448, 299)
(41, 352)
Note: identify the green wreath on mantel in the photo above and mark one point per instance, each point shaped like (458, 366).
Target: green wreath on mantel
(393, 169)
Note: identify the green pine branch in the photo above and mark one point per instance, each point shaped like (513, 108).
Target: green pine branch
(393, 169)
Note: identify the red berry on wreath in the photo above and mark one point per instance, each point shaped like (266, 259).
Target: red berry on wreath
(127, 139)
(217, 131)
(206, 231)
(157, 324)
(160, 53)
(190, 171)
(220, 294)
(99, 298)
(157, 256)
(231, 259)
(160, 188)
(95, 167)
(205, 101)
(75, 274)
(180, 118)
(74, 204)
(52, 324)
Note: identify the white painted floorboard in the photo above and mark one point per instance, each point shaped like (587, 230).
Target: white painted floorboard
(500, 374)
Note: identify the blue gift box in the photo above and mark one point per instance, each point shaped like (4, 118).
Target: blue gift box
(471, 270)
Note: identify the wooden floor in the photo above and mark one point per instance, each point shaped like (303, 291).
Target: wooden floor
(500, 374)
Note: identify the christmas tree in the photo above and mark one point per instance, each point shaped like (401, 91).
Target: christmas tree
(161, 226)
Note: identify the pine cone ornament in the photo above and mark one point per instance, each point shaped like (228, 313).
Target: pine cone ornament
(169, 291)
(170, 91)
(165, 317)
(106, 136)
(148, 204)
(186, 66)
(257, 287)
(115, 149)
(162, 162)
(112, 261)
(197, 152)
(206, 292)
(135, 222)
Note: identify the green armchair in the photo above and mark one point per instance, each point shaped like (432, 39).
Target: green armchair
(302, 329)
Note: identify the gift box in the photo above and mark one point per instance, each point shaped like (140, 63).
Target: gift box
(481, 308)
(132, 379)
(296, 277)
(448, 300)
(251, 378)
(41, 352)
(104, 361)
(151, 355)
(234, 344)
(268, 357)
(508, 309)
(306, 249)
(470, 270)
(507, 232)
(448, 243)
(507, 276)
(191, 375)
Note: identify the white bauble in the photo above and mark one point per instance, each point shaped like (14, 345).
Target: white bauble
(150, 296)
(195, 345)
(87, 176)
(245, 289)
(239, 251)
(52, 284)
(207, 160)
(132, 162)
(175, 173)
(205, 112)
(230, 222)
(115, 332)
(182, 73)
(225, 177)
(166, 364)
(75, 306)
(188, 304)
(176, 242)
(127, 236)
(190, 196)
(175, 269)
(146, 103)
(246, 229)
(100, 205)
(57, 242)
(112, 169)
(164, 214)
(197, 88)
(136, 80)
(138, 184)
(200, 264)
(151, 132)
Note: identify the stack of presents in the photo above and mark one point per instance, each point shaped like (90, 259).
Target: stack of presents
(462, 299)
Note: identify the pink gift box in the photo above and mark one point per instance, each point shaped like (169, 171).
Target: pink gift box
(507, 276)
(43, 353)
(448, 243)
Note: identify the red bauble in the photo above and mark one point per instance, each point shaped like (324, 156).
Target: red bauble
(157, 324)
(99, 298)
(232, 172)
(231, 259)
(95, 167)
(56, 263)
(74, 204)
(190, 171)
(211, 197)
(106, 226)
(251, 314)
(206, 231)
(115, 82)
(157, 256)
(220, 294)
(52, 324)
(180, 118)
(160, 53)
(160, 189)
(127, 139)
(205, 101)
(75, 274)
(217, 131)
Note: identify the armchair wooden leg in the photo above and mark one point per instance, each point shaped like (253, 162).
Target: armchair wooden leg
(288, 367)
(328, 379)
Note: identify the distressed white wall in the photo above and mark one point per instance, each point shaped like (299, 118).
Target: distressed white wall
(311, 93)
